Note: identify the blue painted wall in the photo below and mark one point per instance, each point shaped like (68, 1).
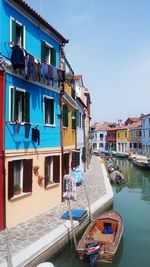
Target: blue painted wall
(145, 130)
(33, 33)
(49, 135)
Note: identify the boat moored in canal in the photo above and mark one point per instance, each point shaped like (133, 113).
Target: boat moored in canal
(101, 238)
(142, 162)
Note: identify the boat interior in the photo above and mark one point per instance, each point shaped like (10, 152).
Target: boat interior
(97, 231)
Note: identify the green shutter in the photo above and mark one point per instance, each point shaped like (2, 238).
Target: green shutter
(43, 51)
(65, 115)
(46, 110)
(53, 57)
(22, 40)
(13, 30)
(27, 107)
(51, 111)
(13, 107)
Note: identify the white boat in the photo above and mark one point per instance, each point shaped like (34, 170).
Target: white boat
(142, 162)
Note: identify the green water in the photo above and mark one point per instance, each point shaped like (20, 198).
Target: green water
(132, 201)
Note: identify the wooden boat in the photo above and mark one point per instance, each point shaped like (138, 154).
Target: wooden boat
(101, 239)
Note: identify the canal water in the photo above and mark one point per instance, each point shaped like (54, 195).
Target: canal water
(132, 201)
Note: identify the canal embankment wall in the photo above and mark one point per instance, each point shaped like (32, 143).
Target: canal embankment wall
(100, 195)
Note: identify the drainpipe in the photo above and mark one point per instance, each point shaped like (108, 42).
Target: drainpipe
(3, 147)
(61, 139)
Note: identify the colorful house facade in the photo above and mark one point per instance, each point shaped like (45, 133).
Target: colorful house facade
(68, 107)
(123, 139)
(111, 139)
(83, 131)
(145, 120)
(34, 78)
(136, 137)
(100, 136)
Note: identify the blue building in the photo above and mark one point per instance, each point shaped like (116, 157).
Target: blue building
(34, 80)
(145, 120)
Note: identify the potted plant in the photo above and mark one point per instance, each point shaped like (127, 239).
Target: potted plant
(17, 189)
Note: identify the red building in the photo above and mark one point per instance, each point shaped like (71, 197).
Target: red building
(111, 139)
(2, 176)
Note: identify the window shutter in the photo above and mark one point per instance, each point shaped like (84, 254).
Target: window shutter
(46, 109)
(13, 102)
(74, 120)
(10, 179)
(22, 39)
(65, 115)
(46, 173)
(27, 107)
(13, 30)
(51, 111)
(27, 175)
(56, 169)
(43, 51)
(53, 57)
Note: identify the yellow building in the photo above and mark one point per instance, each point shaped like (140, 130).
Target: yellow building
(123, 139)
(68, 124)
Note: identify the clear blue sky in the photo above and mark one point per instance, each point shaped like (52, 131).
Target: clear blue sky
(109, 44)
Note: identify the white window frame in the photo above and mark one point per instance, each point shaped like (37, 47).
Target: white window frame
(17, 89)
(24, 30)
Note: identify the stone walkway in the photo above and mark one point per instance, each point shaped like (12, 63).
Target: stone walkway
(26, 233)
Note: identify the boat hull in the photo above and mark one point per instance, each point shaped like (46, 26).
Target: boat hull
(141, 164)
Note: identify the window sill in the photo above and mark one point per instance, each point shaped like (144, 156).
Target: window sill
(22, 195)
(49, 186)
(49, 125)
(19, 123)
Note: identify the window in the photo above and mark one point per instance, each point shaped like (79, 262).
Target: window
(20, 105)
(140, 133)
(17, 33)
(149, 120)
(19, 177)
(48, 54)
(65, 115)
(135, 145)
(78, 114)
(149, 133)
(83, 122)
(52, 170)
(118, 135)
(73, 117)
(101, 145)
(125, 135)
(49, 110)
